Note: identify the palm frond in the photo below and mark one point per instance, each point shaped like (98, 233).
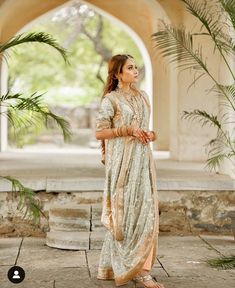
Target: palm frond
(229, 7)
(28, 200)
(210, 20)
(226, 91)
(203, 117)
(202, 11)
(61, 122)
(177, 44)
(214, 162)
(223, 262)
(39, 37)
(219, 148)
(27, 111)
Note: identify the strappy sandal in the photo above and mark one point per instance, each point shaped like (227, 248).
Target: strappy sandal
(145, 278)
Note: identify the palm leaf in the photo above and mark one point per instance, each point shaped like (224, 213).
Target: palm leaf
(27, 111)
(227, 91)
(39, 37)
(229, 7)
(177, 45)
(61, 122)
(220, 148)
(28, 200)
(210, 19)
(203, 117)
(223, 262)
(203, 12)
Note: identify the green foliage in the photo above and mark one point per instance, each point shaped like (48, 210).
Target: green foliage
(29, 203)
(76, 84)
(26, 112)
(223, 262)
(33, 37)
(23, 112)
(184, 50)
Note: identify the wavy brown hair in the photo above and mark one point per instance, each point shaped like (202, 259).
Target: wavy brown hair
(115, 66)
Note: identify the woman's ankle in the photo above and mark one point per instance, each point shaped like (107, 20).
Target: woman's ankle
(143, 272)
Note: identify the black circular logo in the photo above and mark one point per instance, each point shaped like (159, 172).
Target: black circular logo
(16, 274)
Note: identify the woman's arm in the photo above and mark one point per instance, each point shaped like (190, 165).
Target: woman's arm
(104, 134)
(109, 133)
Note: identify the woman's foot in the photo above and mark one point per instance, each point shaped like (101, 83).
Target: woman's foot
(147, 280)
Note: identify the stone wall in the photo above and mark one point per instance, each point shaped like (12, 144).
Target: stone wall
(181, 212)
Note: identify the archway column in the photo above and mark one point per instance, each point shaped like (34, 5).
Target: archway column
(3, 109)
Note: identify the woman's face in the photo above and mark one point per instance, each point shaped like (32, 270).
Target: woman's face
(129, 72)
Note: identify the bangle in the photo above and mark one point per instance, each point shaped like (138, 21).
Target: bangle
(123, 131)
(154, 135)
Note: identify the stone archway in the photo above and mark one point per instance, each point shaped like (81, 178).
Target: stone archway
(142, 18)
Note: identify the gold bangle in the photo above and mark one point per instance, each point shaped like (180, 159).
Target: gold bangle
(129, 130)
(113, 132)
(126, 132)
(154, 135)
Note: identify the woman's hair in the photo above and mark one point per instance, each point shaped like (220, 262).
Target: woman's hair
(115, 66)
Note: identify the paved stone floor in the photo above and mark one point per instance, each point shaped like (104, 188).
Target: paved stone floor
(180, 263)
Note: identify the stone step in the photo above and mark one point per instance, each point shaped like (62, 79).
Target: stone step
(75, 240)
(70, 217)
(96, 211)
(75, 217)
(71, 211)
(97, 239)
(68, 240)
(65, 224)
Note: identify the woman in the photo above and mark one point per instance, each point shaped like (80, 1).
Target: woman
(130, 200)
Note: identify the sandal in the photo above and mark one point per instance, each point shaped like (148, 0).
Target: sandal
(145, 278)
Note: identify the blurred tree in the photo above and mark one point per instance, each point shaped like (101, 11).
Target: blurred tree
(90, 40)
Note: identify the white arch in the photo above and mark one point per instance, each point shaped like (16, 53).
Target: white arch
(133, 35)
(140, 44)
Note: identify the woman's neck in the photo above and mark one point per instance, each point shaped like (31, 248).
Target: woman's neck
(126, 87)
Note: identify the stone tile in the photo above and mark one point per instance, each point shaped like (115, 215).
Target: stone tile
(38, 255)
(29, 281)
(9, 248)
(93, 261)
(184, 256)
(224, 244)
(195, 282)
(40, 277)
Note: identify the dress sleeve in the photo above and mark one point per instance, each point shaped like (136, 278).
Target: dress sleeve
(105, 115)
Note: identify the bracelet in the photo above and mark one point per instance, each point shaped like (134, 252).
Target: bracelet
(123, 131)
(154, 135)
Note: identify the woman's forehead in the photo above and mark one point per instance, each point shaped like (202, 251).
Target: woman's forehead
(129, 62)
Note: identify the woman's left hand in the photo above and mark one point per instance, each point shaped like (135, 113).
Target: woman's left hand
(150, 135)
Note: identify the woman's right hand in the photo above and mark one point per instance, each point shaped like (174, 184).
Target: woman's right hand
(141, 135)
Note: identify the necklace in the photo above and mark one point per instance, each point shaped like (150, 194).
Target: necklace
(133, 102)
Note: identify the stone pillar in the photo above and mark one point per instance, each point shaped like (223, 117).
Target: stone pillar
(3, 119)
(226, 78)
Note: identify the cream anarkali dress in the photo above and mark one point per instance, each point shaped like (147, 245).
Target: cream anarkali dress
(130, 198)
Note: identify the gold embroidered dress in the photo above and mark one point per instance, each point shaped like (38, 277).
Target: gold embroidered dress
(130, 198)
